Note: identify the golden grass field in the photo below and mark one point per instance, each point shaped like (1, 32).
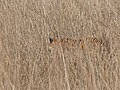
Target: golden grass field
(59, 44)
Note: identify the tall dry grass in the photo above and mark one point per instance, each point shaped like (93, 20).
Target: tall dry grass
(83, 54)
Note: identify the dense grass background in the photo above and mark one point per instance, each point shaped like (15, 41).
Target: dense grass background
(28, 61)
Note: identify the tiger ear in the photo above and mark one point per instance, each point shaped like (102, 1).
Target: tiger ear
(51, 40)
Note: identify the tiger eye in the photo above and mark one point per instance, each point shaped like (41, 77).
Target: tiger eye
(80, 40)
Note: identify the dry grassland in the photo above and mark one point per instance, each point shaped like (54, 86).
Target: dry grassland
(59, 44)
